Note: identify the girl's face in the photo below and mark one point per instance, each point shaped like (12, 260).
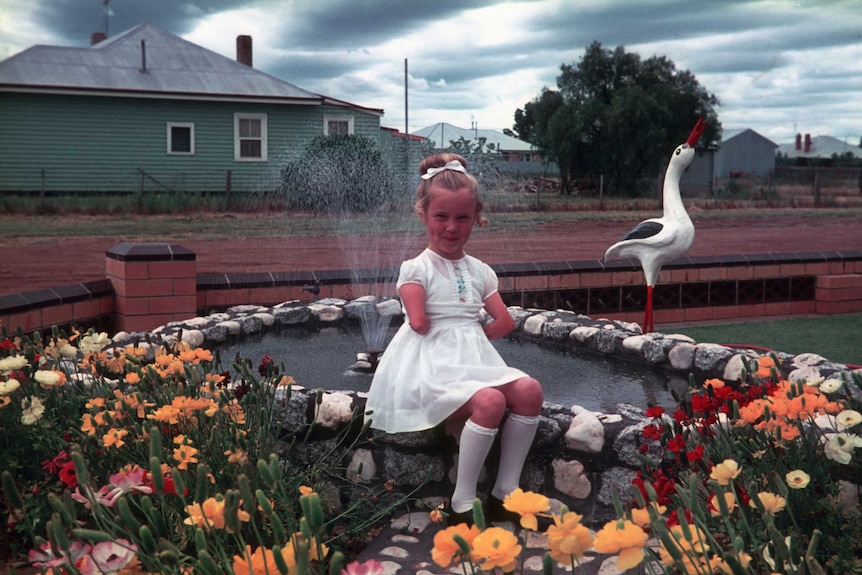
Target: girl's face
(449, 220)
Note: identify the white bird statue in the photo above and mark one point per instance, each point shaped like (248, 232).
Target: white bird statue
(656, 241)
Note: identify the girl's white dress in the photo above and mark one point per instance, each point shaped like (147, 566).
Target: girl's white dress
(422, 379)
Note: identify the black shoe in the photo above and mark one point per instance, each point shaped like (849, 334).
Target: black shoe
(456, 518)
(496, 513)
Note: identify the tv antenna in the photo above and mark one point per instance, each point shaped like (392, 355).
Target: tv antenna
(107, 12)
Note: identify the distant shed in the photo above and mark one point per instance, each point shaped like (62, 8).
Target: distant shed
(746, 153)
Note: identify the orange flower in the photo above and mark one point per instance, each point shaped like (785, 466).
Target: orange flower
(623, 537)
(185, 454)
(262, 561)
(771, 503)
(208, 514)
(641, 517)
(436, 516)
(714, 382)
(446, 549)
(305, 490)
(496, 547)
(568, 538)
(764, 366)
(114, 438)
(693, 549)
(527, 504)
(729, 502)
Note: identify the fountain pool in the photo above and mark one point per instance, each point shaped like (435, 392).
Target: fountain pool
(322, 359)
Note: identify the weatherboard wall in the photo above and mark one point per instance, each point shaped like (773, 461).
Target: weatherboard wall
(58, 144)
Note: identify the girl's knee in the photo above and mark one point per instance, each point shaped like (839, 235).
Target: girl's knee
(526, 396)
(489, 405)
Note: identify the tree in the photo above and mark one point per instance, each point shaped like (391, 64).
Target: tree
(616, 115)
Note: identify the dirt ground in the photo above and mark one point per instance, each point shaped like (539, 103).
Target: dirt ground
(43, 264)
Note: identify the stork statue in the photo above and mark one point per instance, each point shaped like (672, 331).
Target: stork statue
(656, 241)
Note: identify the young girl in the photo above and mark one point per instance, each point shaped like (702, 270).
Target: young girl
(440, 366)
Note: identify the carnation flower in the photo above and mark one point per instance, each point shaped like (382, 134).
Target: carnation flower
(771, 502)
(625, 538)
(12, 363)
(9, 386)
(32, 410)
(725, 471)
(49, 378)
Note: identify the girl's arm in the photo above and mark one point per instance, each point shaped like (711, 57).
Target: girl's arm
(413, 298)
(503, 323)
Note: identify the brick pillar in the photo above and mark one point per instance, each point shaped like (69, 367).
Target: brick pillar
(154, 283)
(837, 294)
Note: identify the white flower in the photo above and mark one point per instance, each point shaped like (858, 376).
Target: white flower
(32, 410)
(831, 385)
(848, 418)
(8, 386)
(840, 446)
(94, 343)
(69, 351)
(47, 378)
(12, 363)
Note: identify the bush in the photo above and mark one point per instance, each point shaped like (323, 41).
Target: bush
(339, 174)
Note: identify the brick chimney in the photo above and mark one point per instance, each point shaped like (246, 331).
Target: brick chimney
(243, 50)
(807, 143)
(798, 141)
(97, 37)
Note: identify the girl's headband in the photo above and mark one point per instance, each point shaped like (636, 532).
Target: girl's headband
(452, 165)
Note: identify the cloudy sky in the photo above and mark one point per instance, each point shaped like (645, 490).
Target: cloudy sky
(778, 67)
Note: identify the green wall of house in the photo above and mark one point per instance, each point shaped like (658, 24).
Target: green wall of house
(64, 144)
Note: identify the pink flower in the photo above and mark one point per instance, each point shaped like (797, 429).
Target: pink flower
(44, 556)
(370, 567)
(109, 557)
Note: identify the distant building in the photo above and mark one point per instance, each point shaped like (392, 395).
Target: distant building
(517, 156)
(745, 153)
(146, 108)
(818, 147)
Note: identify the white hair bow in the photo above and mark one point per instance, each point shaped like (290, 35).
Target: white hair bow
(453, 165)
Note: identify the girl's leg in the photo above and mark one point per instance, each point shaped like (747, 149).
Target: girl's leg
(524, 398)
(483, 411)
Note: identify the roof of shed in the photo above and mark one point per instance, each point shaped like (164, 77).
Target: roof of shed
(442, 133)
(821, 147)
(146, 60)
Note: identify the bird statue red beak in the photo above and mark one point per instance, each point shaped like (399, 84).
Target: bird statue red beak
(696, 132)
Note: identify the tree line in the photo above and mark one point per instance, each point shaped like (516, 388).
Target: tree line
(616, 116)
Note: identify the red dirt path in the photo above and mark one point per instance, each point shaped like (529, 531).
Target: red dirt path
(70, 260)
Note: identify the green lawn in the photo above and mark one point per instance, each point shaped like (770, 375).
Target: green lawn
(836, 337)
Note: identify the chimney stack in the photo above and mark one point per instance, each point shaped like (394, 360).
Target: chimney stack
(798, 141)
(807, 143)
(97, 37)
(243, 50)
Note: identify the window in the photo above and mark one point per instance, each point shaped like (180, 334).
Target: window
(249, 137)
(181, 138)
(337, 125)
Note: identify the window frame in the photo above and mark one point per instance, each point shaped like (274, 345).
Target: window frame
(338, 118)
(170, 139)
(237, 139)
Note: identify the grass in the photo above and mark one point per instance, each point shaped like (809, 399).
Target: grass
(835, 337)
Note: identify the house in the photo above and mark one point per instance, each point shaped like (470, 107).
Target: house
(517, 156)
(822, 147)
(148, 110)
(745, 152)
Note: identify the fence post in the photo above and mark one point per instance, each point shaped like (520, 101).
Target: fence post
(227, 186)
(42, 190)
(816, 187)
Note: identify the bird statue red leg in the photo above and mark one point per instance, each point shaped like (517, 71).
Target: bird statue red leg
(648, 326)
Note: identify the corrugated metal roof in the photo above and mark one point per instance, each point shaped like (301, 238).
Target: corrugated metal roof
(442, 133)
(166, 64)
(821, 147)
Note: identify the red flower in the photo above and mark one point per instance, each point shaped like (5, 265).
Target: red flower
(676, 443)
(651, 432)
(267, 366)
(67, 475)
(655, 411)
(695, 454)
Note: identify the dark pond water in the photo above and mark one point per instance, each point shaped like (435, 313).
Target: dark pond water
(322, 359)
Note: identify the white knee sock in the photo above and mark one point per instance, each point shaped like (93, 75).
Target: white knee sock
(474, 446)
(515, 442)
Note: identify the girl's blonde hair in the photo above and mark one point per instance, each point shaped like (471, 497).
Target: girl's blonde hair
(448, 180)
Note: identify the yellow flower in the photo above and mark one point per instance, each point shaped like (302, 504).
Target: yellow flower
(692, 549)
(797, 479)
(446, 549)
(729, 502)
(743, 558)
(848, 418)
(527, 504)
(496, 547)
(114, 438)
(623, 537)
(305, 490)
(725, 471)
(771, 503)
(641, 517)
(31, 410)
(568, 538)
